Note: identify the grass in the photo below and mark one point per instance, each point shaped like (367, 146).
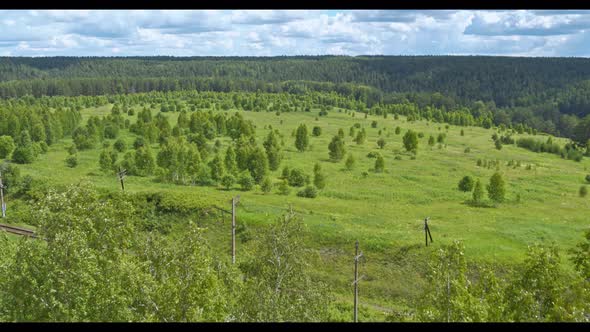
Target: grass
(384, 211)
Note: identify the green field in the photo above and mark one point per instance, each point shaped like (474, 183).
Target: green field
(383, 211)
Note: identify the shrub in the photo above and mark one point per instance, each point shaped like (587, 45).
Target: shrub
(379, 164)
(228, 181)
(120, 145)
(266, 185)
(477, 192)
(6, 146)
(317, 131)
(410, 141)
(588, 178)
(246, 180)
(297, 178)
(496, 190)
(398, 130)
(72, 161)
(374, 124)
(583, 191)
(467, 150)
(337, 148)
(381, 142)
(466, 184)
(373, 154)
(349, 163)
(308, 192)
(284, 188)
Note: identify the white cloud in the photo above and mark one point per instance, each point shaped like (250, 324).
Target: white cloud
(277, 32)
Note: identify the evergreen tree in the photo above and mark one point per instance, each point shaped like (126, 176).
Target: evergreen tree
(360, 137)
(349, 162)
(337, 148)
(317, 131)
(496, 190)
(477, 192)
(319, 178)
(273, 151)
(379, 164)
(301, 138)
(410, 140)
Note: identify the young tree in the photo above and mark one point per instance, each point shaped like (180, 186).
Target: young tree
(105, 160)
(496, 190)
(381, 143)
(319, 178)
(317, 131)
(258, 164)
(341, 133)
(361, 136)
(24, 153)
(379, 164)
(466, 184)
(72, 161)
(349, 163)
(266, 185)
(273, 151)
(120, 145)
(583, 191)
(498, 144)
(477, 192)
(431, 141)
(410, 140)
(217, 168)
(246, 180)
(398, 130)
(144, 161)
(301, 138)
(6, 146)
(284, 188)
(228, 181)
(230, 161)
(337, 148)
(298, 178)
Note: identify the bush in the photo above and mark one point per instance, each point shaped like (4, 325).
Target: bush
(477, 192)
(467, 150)
(246, 181)
(588, 178)
(72, 161)
(120, 145)
(374, 124)
(6, 146)
(496, 190)
(266, 185)
(297, 178)
(583, 191)
(337, 148)
(349, 163)
(379, 164)
(308, 192)
(466, 184)
(284, 188)
(381, 142)
(228, 181)
(317, 131)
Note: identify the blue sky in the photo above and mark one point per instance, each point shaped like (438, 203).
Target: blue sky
(294, 32)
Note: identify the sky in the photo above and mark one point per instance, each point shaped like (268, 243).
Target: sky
(547, 33)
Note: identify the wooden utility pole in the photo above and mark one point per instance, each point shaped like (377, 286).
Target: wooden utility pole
(427, 231)
(234, 202)
(357, 256)
(121, 175)
(2, 197)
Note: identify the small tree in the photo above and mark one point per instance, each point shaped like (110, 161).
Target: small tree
(498, 144)
(462, 132)
(583, 191)
(381, 142)
(374, 124)
(337, 148)
(379, 164)
(246, 180)
(588, 178)
(266, 185)
(308, 192)
(285, 173)
(6, 146)
(319, 179)
(431, 141)
(349, 162)
(477, 192)
(466, 184)
(360, 137)
(297, 178)
(228, 181)
(24, 152)
(317, 131)
(301, 138)
(341, 133)
(120, 145)
(284, 188)
(410, 140)
(496, 190)
(398, 130)
(72, 161)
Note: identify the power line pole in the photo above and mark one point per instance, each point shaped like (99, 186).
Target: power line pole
(357, 256)
(2, 196)
(427, 231)
(234, 202)
(121, 174)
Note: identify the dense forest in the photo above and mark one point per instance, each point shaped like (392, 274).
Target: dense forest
(551, 95)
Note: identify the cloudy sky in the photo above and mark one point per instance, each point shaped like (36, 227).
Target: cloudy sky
(294, 32)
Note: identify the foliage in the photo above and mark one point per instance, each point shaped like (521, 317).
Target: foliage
(337, 148)
(466, 184)
(496, 190)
